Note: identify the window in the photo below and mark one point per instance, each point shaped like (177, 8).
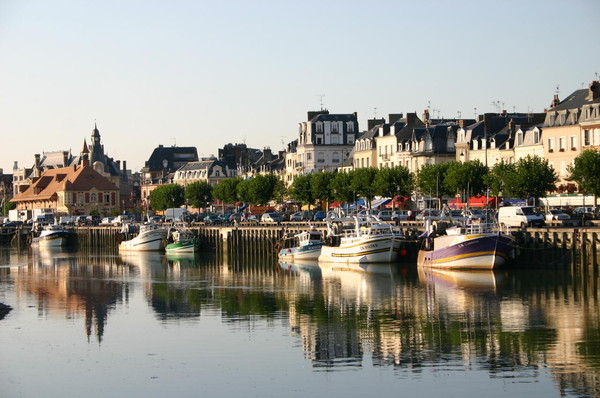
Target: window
(320, 157)
(94, 197)
(586, 137)
(335, 157)
(334, 139)
(319, 127)
(335, 128)
(520, 138)
(551, 144)
(350, 127)
(562, 144)
(573, 142)
(309, 156)
(319, 140)
(350, 139)
(106, 198)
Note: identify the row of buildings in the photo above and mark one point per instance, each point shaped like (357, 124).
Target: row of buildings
(77, 184)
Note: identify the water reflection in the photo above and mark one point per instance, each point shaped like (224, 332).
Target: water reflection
(509, 324)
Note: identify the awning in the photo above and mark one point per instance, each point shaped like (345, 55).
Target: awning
(480, 201)
(335, 204)
(380, 202)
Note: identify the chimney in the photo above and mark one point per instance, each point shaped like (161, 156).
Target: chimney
(412, 118)
(125, 167)
(425, 115)
(313, 114)
(37, 160)
(16, 165)
(374, 122)
(593, 91)
(65, 158)
(394, 117)
(267, 155)
(555, 101)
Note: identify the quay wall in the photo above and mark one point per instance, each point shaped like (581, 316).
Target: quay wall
(548, 246)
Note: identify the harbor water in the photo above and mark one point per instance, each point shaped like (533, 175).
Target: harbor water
(99, 324)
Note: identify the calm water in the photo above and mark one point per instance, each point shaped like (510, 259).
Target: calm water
(99, 325)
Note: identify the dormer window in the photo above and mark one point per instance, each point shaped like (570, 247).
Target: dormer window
(319, 127)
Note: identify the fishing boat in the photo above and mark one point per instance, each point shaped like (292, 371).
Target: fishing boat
(150, 238)
(53, 235)
(474, 246)
(184, 241)
(361, 240)
(307, 246)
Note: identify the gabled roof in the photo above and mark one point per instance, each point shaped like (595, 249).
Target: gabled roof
(74, 178)
(575, 100)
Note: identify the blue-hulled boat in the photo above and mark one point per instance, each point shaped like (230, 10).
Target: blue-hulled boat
(307, 246)
(474, 246)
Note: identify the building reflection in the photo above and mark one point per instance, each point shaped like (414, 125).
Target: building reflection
(509, 323)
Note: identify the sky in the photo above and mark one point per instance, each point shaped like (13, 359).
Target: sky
(207, 73)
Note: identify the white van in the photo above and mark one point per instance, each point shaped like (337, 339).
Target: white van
(520, 216)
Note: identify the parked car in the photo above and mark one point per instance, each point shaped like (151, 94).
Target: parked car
(385, 215)
(253, 218)
(556, 214)
(520, 216)
(583, 212)
(432, 214)
(12, 223)
(213, 219)
(271, 217)
(107, 221)
(320, 216)
(302, 216)
(400, 215)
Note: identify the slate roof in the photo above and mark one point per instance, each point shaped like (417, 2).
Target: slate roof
(74, 178)
(175, 156)
(576, 99)
(344, 117)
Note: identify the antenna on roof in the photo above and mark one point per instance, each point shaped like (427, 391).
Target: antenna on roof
(375, 113)
(475, 112)
(557, 89)
(321, 99)
(459, 114)
(596, 74)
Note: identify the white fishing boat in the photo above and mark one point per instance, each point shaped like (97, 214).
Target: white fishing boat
(366, 240)
(150, 238)
(184, 241)
(306, 246)
(53, 235)
(474, 246)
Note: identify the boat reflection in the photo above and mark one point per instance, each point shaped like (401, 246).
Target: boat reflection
(182, 260)
(456, 279)
(306, 267)
(148, 262)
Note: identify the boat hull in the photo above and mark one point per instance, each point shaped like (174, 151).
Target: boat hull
(362, 250)
(153, 240)
(480, 251)
(54, 239)
(181, 247)
(307, 252)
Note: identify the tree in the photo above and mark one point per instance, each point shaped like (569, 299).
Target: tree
(586, 172)
(390, 182)
(466, 177)
(167, 196)
(430, 180)
(199, 194)
(362, 183)
(243, 191)
(498, 178)
(8, 205)
(262, 188)
(532, 179)
(226, 190)
(301, 189)
(321, 186)
(341, 187)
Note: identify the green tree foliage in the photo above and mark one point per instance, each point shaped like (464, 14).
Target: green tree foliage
(243, 191)
(167, 196)
(301, 189)
(498, 178)
(430, 180)
(341, 188)
(8, 205)
(226, 190)
(321, 186)
(466, 178)
(393, 181)
(532, 179)
(262, 188)
(362, 183)
(199, 194)
(586, 172)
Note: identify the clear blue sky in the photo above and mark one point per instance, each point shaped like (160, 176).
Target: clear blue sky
(206, 73)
